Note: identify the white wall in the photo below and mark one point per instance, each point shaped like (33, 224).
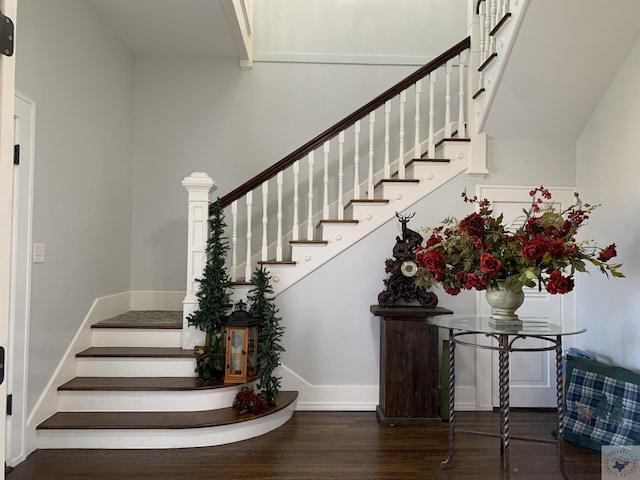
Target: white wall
(209, 115)
(608, 172)
(81, 79)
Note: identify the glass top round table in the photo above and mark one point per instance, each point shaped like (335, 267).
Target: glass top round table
(531, 327)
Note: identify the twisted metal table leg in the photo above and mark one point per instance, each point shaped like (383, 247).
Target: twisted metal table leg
(503, 364)
(452, 387)
(560, 403)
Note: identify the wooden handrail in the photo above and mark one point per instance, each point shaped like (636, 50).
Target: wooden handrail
(377, 102)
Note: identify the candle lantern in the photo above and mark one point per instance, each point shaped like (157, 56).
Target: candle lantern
(241, 345)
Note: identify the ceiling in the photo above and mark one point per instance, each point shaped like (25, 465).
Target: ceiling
(547, 91)
(188, 28)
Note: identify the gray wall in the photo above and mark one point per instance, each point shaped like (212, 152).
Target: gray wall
(81, 79)
(608, 173)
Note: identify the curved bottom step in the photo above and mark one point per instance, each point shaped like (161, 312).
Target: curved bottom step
(155, 430)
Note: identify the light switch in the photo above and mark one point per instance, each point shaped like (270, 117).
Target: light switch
(38, 253)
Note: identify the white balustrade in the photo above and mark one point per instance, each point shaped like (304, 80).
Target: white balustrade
(341, 175)
(432, 115)
(372, 125)
(310, 199)
(280, 181)
(325, 200)
(234, 241)
(265, 220)
(447, 100)
(295, 234)
(462, 132)
(416, 148)
(356, 161)
(387, 140)
(403, 102)
(248, 266)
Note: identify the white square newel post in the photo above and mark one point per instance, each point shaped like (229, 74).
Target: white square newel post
(199, 187)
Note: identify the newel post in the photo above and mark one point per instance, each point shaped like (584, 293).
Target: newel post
(200, 188)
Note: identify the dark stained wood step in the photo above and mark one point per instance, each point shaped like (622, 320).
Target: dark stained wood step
(158, 420)
(137, 352)
(399, 181)
(487, 62)
(308, 242)
(134, 384)
(146, 319)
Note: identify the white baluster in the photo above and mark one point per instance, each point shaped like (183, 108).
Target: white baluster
(248, 268)
(416, 148)
(325, 201)
(356, 161)
(432, 114)
(341, 176)
(265, 221)
(234, 240)
(403, 101)
(494, 22)
(482, 31)
(387, 139)
(310, 200)
(372, 125)
(280, 181)
(295, 234)
(462, 128)
(447, 101)
(487, 31)
(505, 7)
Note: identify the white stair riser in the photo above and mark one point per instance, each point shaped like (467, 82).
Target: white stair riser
(170, 438)
(119, 337)
(146, 401)
(135, 367)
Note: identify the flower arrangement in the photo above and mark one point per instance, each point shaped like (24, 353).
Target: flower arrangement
(479, 251)
(248, 401)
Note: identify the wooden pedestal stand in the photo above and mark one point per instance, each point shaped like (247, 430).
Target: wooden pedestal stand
(409, 369)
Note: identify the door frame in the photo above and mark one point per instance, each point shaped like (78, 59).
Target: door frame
(19, 307)
(7, 92)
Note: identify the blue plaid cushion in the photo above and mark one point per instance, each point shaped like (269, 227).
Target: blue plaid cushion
(602, 404)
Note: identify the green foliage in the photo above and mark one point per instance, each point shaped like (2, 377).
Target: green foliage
(213, 299)
(269, 333)
(210, 362)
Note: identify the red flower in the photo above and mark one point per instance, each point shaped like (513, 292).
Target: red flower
(452, 290)
(490, 265)
(432, 261)
(535, 249)
(475, 281)
(473, 225)
(433, 240)
(558, 283)
(608, 253)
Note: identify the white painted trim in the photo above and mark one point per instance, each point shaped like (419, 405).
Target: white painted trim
(305, 57)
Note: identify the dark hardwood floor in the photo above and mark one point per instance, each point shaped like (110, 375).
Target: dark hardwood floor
(334, 445)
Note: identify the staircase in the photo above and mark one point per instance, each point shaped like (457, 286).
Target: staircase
(135, 388)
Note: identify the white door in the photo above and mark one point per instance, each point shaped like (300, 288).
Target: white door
(7, 91)
(16, 356)
(532, 374)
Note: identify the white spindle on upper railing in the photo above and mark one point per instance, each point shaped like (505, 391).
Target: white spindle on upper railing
(462, 132)
(248, 268)
(295, 233)
(310, 199)
(280, 181)
(416, 145)
(265, 221)
(447, 100)
(487, 31)
(356, 160)
(372, 126)
(387, 140)
(341, 175)
(432, 115)
(325, 201)
(234, 241)
(482, 13)
(403, 101)
(493, 23)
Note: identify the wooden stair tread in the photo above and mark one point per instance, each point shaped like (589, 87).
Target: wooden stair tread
(147, 319)
(158, 420)
(134, 384)
(308, 242)
(141, 352)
